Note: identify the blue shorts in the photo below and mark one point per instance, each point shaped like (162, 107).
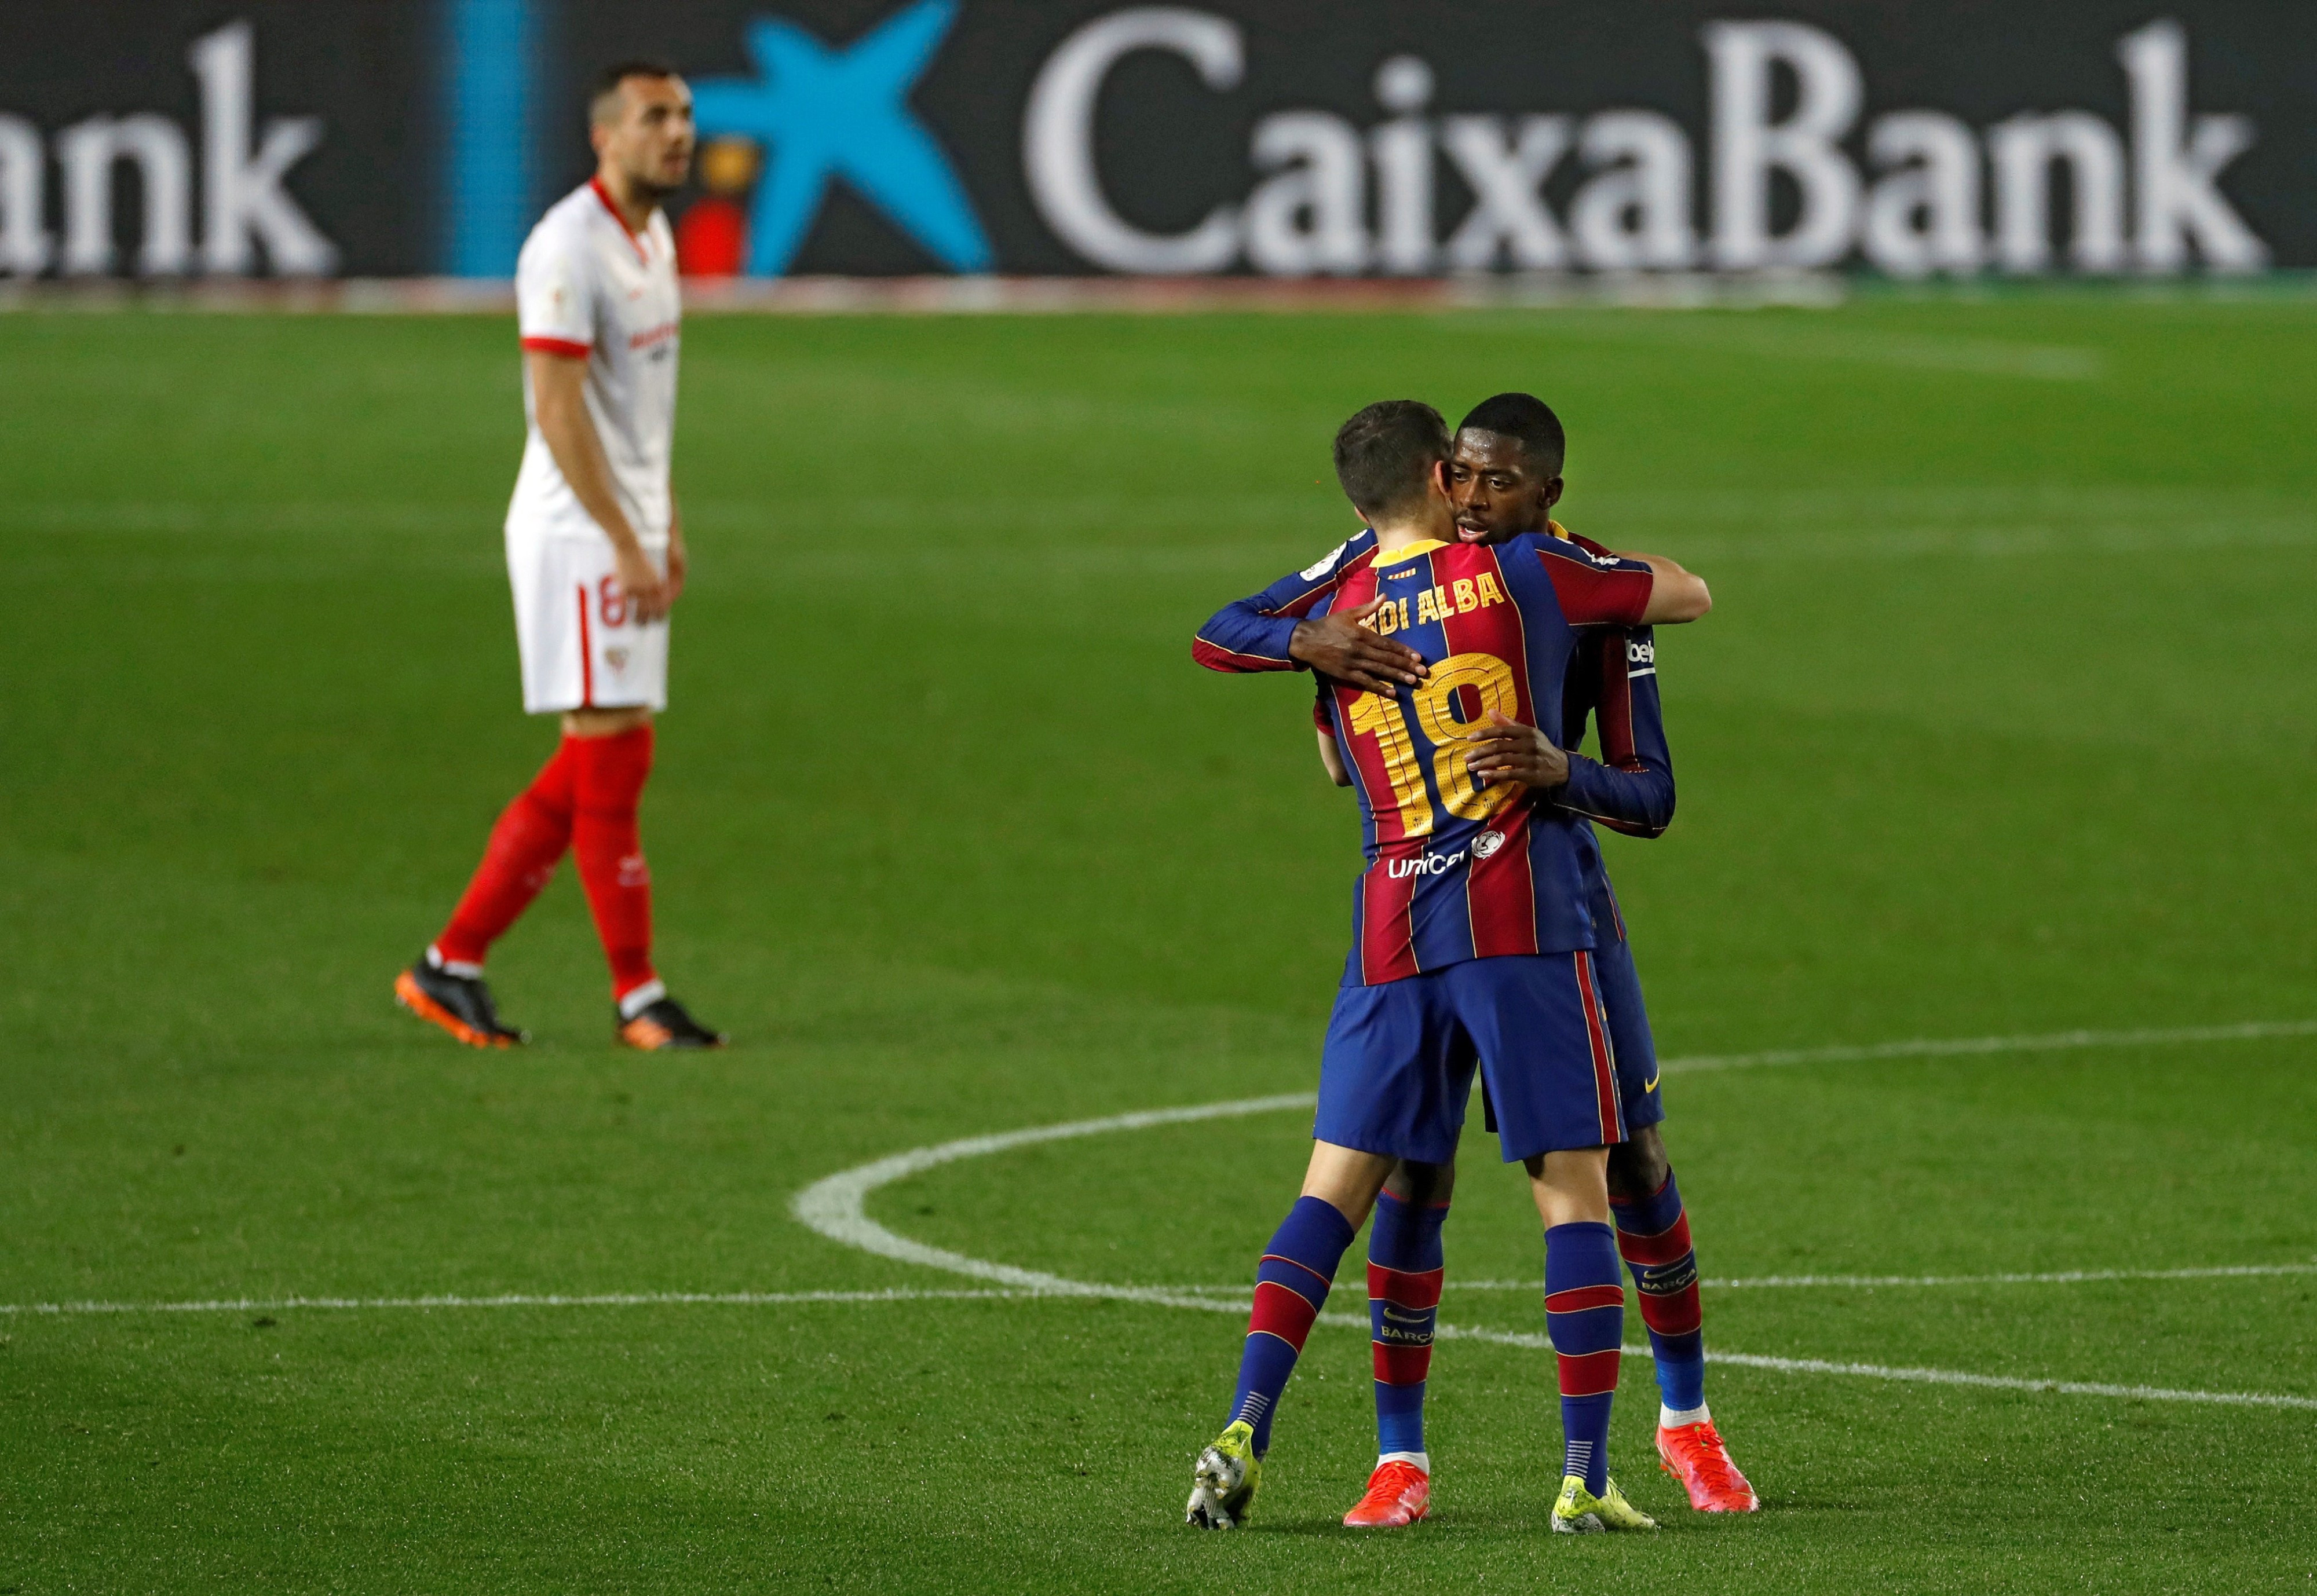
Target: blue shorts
(1629, 1036)
(1397, 1069)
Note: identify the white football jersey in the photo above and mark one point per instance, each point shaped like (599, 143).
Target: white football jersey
(587, 288)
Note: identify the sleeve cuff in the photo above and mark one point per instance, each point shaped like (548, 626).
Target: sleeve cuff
(1255, 645)
(1279, 632)
(1577, 791)
(563, 346)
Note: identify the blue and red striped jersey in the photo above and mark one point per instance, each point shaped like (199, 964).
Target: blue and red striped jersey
(1610, 681)
(1630, 788)
(1614, 682)
(1455, 870)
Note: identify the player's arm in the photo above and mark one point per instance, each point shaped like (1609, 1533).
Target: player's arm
(1681, 596)
(1255, 633)
(1675, 596)
(1597, 588)
(1630, 788)
(559, 398)
(1273, 630)
(679, 557)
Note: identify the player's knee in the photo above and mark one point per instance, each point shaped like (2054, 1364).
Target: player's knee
(605, 723)
(1422, 1185)
(1638, 1165)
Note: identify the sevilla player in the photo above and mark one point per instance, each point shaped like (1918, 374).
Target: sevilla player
(595, 553)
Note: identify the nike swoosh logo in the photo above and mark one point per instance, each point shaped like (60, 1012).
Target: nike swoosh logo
(1652, 1087)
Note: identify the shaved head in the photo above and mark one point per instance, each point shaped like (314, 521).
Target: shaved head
(1526, 419)
(604, 100)
(640, 126)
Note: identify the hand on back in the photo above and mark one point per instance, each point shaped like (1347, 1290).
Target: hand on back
(1505, 750)
(1338, 645)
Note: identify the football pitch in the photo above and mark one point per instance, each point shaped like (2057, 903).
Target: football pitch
(2000, 737)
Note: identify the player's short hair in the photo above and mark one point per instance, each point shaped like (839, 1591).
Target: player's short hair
(1385, 454)
(1526, 418)
(604, 92)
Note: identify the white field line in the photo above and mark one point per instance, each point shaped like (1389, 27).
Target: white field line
(1996, 1382)
(1527, 1340)
(836, 1206)
(1964, 1047)
(2060, 1277)
(1222, 1298)
(510, 1300)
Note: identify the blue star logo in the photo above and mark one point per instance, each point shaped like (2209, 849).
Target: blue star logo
(823, 113)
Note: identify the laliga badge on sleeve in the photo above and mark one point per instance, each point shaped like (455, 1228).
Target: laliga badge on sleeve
(1327, 562)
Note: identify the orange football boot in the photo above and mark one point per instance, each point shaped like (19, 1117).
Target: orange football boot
(1694, 1455)
(460, 1004)
(1399, 1493)
(664, 1025)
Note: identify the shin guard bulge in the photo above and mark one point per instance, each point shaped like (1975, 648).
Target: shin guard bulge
(1405, 1267)
(1584, 1315)
(527, 843)
(1653, 1236)
(1291, 1287)
(610, 779)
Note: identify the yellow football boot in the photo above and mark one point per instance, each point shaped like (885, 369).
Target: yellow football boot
(1224, 1478)
(1580, 1512)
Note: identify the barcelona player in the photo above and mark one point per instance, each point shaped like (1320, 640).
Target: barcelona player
(1504, 477)
(1473, 934)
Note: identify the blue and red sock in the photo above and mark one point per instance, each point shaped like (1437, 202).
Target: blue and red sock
(1405, 1265)
(1653, 1234)
(1584, 1315)
(1291, 1287)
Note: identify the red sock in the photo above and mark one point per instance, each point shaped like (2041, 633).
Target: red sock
(608, 779)
(525, 846)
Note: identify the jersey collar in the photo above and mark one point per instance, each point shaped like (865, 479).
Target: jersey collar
(604, 194)
(1408, 551)
(1411, 550)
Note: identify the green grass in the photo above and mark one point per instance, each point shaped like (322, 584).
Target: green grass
(2002, 727)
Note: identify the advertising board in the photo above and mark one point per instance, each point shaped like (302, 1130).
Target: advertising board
(1286, 138)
